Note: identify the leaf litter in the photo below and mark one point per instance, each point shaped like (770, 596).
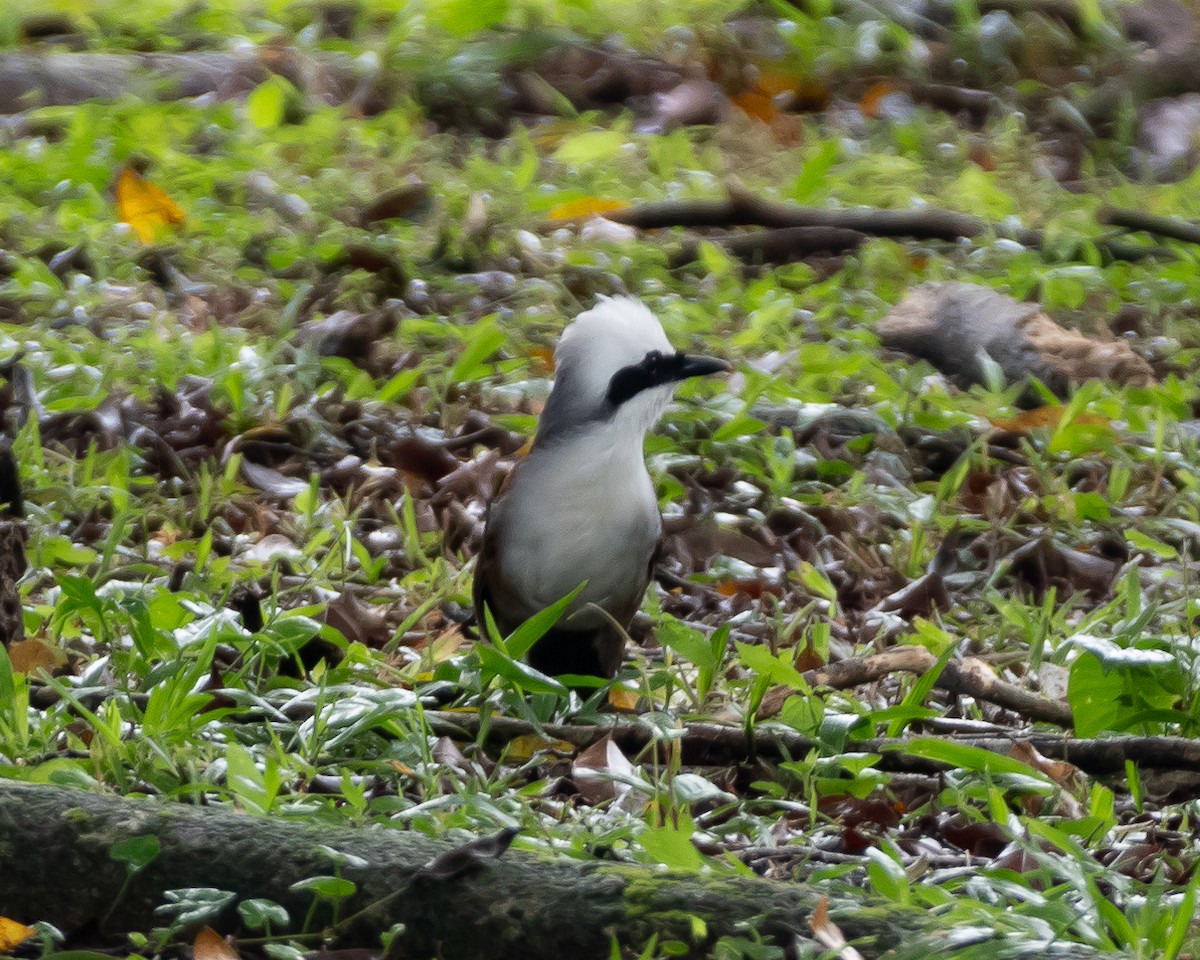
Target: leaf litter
(827, 509)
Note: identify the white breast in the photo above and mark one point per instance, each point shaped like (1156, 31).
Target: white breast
(580, 510)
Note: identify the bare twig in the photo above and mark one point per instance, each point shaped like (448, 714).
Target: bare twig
(782, 245)
(742, 208)
(972, 678)
(1172, 228)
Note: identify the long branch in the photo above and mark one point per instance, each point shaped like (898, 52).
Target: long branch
(741, 208)
(710, 743)
(970, 678)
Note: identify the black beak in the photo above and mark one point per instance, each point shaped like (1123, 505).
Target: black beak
(699, 367)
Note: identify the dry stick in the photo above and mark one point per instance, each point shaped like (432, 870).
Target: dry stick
(782, 245)
(1171, 227)
(742, 208)
(972, 678)
(710, 743)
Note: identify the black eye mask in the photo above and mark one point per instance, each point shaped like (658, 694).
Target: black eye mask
(657, 369)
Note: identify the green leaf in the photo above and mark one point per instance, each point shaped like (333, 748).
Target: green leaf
(267, 103)
(521, 675)
(257, 913)
(887, 876)
(590, 147)
(1114, 697)
(325, 888)
(1163, 551)
(136, 852)
(817, 583)
(485, 339)
(521, 640)
(673, 847)
(465, 17)
(775, 669)
(967, 757)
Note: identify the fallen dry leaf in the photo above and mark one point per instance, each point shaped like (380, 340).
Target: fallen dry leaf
(358, 621)
(583, 208)
(522, 749)
(622, 698)
(598, 770)
(1047, 417)
(210, 945)
(1060, 771)
(13, 934)
(144, 206)
(827, 933)
(32, 656)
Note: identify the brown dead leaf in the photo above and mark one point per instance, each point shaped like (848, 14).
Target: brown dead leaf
(34, 656)
(871, 102)
(919, 598)
(272, 482)
(1060, 771)
(210, 945)
(407, 202)
(357, 621)
(807, 658)
(827, 933)
(757, 104)
(595, 771)
(446, 753)
(1046, 418)
(543, 358)
(1042, 564)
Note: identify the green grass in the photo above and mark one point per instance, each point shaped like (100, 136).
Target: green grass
(163, 690)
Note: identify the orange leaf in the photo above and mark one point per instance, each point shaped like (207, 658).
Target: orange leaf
(619, 698)
(872, 100)
(13, 934)
(144, 206)
(774, 82)
(585, 207)
(757, 104)
(210, 945)
(543, 357)
(1042, 418)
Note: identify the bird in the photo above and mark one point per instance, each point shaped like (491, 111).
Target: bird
(580, 507)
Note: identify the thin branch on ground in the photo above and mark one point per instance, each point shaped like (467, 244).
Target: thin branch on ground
(971, 678)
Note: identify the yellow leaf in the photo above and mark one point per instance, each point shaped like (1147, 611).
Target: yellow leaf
(13, 934)
(144, 206)
(521, 749)
(585, 207)
(210, 945)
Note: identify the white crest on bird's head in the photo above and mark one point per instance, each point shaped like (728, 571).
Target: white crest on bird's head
(616, 333)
